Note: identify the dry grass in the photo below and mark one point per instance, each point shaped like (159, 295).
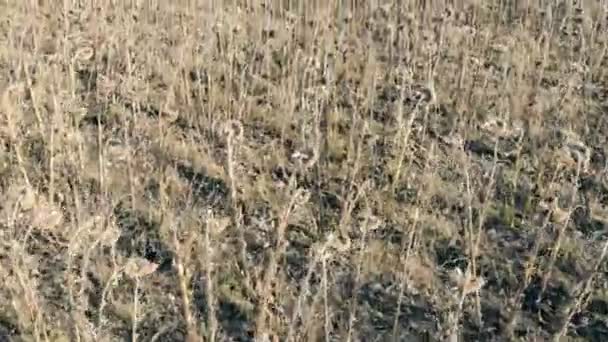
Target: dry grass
(290, 170)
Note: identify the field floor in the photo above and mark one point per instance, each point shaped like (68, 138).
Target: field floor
(288, 170)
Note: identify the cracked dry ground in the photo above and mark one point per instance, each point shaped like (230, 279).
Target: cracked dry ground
(396, 172)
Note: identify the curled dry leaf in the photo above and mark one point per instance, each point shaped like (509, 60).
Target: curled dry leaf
(45, 216)
(559, 215)
(139, 267)
(500, 128)
(599, 212)
(373, 223)
(22, 195)
(500, 48)
(193, 336)
(302, 197)
(473, 285)
(336, 243)
(456, 277)
(564, 159)
(219, 225)
(233, 129)
(22, 201)
(84, 53)
(10, 112)
(419, 273)
(466, 282)
(110, 235)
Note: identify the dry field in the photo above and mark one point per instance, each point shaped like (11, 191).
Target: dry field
(288, 170)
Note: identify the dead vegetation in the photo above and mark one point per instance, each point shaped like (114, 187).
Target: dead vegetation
(303, 170)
